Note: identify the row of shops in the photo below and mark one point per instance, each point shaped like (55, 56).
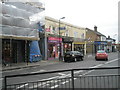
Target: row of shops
(31, 42)
(59, 46)
(15, 51)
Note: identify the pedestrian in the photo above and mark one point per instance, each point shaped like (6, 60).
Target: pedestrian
(108, 50)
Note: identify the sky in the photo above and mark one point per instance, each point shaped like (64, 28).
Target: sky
(86, 14)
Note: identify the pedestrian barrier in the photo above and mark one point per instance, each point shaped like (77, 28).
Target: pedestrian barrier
(81, 79)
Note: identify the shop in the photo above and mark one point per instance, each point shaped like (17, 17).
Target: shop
(14, 51)
(67, 44)
(100, 45)
(79, 46)
(54, 47)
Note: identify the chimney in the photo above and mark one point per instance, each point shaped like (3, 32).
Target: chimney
(109, 37)
(95, 28)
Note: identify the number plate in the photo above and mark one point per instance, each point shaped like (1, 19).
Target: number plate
(67, 55)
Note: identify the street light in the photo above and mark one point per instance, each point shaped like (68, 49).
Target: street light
(59, 37)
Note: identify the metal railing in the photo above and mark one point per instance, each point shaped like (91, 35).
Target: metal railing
(71, 79)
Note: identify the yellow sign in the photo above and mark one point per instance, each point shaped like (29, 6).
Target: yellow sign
(79, 42)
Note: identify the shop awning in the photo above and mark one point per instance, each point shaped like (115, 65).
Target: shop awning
(67, 39)
(79, 40)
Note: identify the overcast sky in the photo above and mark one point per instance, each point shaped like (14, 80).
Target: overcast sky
(86, 13)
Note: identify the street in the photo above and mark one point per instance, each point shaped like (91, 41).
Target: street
(88, 62)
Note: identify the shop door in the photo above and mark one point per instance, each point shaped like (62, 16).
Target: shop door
(6, 51)
(15, 52)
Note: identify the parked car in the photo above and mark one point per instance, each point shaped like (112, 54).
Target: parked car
(101, 54)
(73, 56)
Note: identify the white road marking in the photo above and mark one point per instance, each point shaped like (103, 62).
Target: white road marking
(65, 82)
(86, 72)
(54, 86)
(50, 78)
(78, 71)
(22, 86)
(65, 75)
(89, 55)
(1, 79)
(96, 66)
(61, 74)
(112, 61)
(99, 66)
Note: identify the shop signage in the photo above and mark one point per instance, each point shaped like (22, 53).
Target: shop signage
(79, 42)
(105, 43)
(62, 28)
(47, 29)
(65, 45)
(54, 39)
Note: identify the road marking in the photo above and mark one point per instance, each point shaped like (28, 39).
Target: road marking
(54, 86)
(89, 55)
(1, 79)
(112, 61)
(65, 82)
(22, 86)
(50, 78)
(86, 72)
(78, 71)
(96, 66)
(65, 75)
(99, 66)
(61, 74)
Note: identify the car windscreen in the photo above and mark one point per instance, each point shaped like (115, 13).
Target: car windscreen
(100, 51)
(72, 52)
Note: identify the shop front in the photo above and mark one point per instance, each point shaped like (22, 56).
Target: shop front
(79, 46)
(14, 51)
(100, 45)
(67, 44)
(54, 48)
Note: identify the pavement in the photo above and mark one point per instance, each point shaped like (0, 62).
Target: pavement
(41, 63)
(34, 64)
(27, 65)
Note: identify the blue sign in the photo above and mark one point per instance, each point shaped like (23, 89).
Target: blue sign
(100, 43)
(62, 28)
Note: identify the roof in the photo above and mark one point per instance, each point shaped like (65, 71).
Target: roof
(98, 33)
(110, 39)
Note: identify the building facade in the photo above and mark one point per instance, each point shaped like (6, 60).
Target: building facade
(18, 31)
(65, 38)
(95, 41)
(111, 44)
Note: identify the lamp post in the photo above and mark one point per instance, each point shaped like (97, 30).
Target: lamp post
(59, 37)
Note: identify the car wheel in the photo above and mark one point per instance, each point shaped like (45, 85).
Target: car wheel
(75, 59)
(81, 58)
(106, 59)
(95, 58)
(63, 60)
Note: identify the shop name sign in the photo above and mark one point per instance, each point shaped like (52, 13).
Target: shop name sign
(105, 43)
(62, 28)
(54, 39)
(47, 29)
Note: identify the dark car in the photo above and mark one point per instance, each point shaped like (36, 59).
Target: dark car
(73, 56)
